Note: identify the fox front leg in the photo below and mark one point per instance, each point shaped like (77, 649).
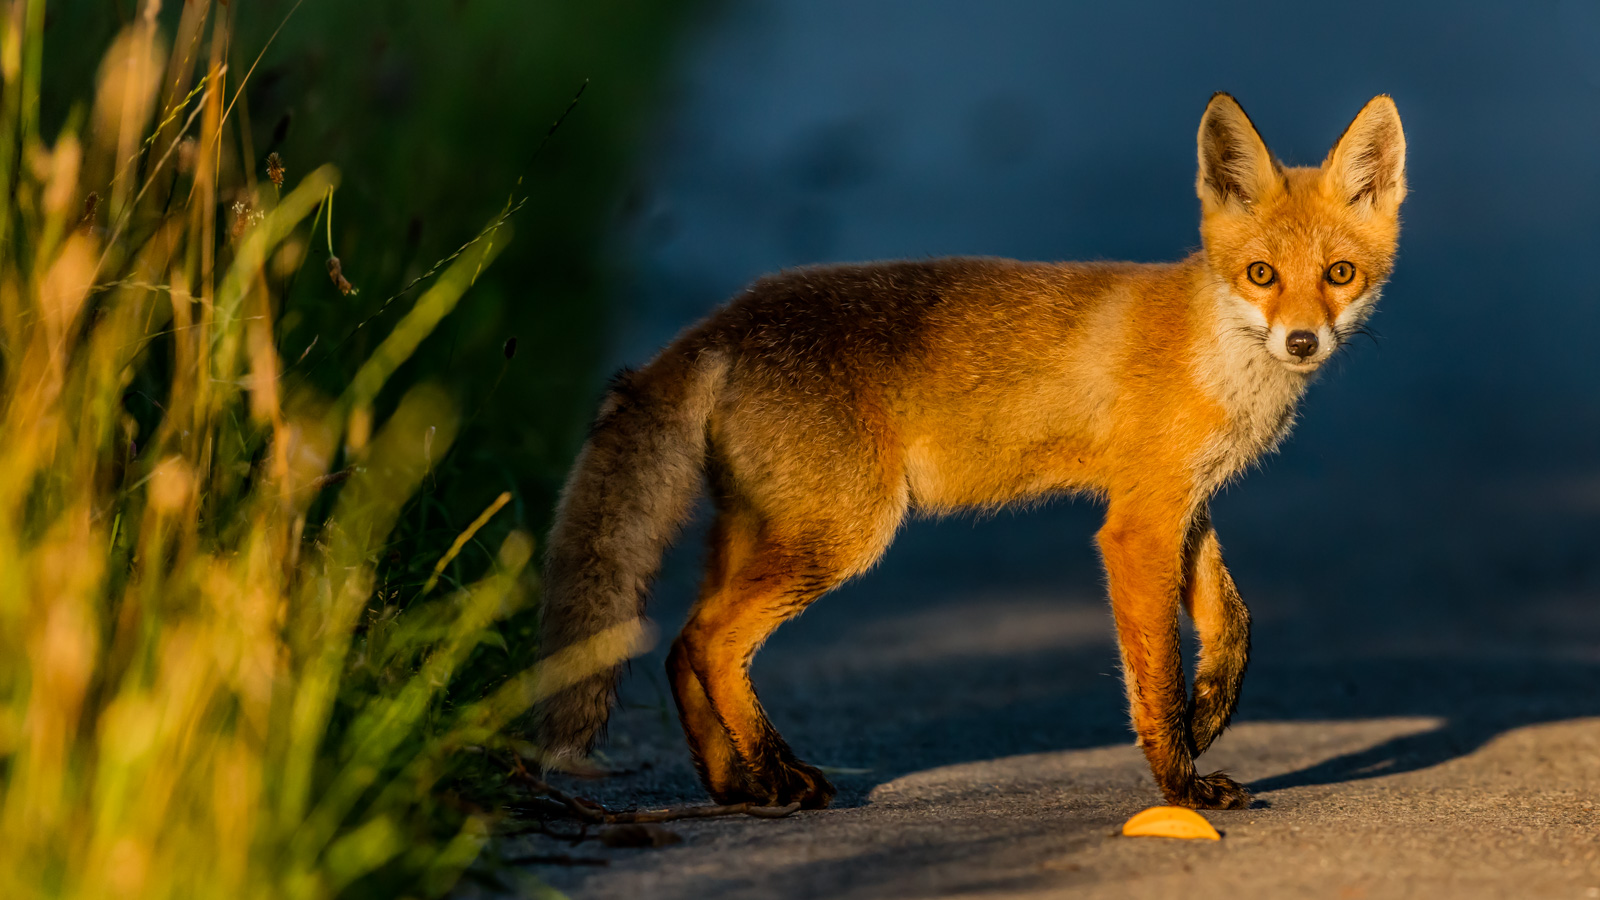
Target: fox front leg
(1143, 546)
(1223, 623)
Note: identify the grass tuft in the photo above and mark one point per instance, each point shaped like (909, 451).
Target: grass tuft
(205, 690)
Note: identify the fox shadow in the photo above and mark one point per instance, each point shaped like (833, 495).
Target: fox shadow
(1472, 701)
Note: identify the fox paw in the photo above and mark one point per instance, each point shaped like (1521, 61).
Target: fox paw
(1214, 791)
(803, 784)
(780, 783)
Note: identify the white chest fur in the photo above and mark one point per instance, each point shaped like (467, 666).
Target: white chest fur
(1258, 393)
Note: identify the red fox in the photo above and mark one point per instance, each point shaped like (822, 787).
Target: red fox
(824, 405)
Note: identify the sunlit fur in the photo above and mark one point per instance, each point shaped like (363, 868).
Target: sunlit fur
(825, 405)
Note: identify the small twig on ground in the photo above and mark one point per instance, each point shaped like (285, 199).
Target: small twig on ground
(674, 813)
(592, 812)
(544, 830)
(556, 859)
(583, 810)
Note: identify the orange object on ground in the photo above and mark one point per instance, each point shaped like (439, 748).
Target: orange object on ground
(1171, 822)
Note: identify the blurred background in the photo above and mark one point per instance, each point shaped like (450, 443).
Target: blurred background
(433, 112)
(1422, 544)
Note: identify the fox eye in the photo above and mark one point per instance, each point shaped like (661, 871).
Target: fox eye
(1341, 272)
(1262, 274)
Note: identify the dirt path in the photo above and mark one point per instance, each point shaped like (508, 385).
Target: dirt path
(1423, 720)
(1512, 819)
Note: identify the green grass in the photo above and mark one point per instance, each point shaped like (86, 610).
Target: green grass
(216, 677)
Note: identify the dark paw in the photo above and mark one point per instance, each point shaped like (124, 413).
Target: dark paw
(802, 784)
(1214, 791)
(780, 782)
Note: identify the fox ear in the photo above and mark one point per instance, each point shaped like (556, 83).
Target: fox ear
(1367, 165)
(1235, 165)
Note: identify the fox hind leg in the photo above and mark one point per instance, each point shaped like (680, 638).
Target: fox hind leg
(744, 759)
(715, 758)
(758, 579)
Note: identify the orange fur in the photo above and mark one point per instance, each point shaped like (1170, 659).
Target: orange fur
(828, 403)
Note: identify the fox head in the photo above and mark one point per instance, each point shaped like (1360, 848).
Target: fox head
(1302, 252)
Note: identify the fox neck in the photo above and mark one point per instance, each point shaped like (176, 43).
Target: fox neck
(1257, 393)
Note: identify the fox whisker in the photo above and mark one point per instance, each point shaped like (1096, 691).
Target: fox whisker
(1347, 332)
(1257, 332)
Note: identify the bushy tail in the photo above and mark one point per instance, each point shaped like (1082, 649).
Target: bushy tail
(628, 495)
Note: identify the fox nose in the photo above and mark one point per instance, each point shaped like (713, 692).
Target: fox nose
(1302, 344)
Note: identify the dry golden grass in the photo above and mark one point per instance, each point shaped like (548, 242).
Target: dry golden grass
(198, 695)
